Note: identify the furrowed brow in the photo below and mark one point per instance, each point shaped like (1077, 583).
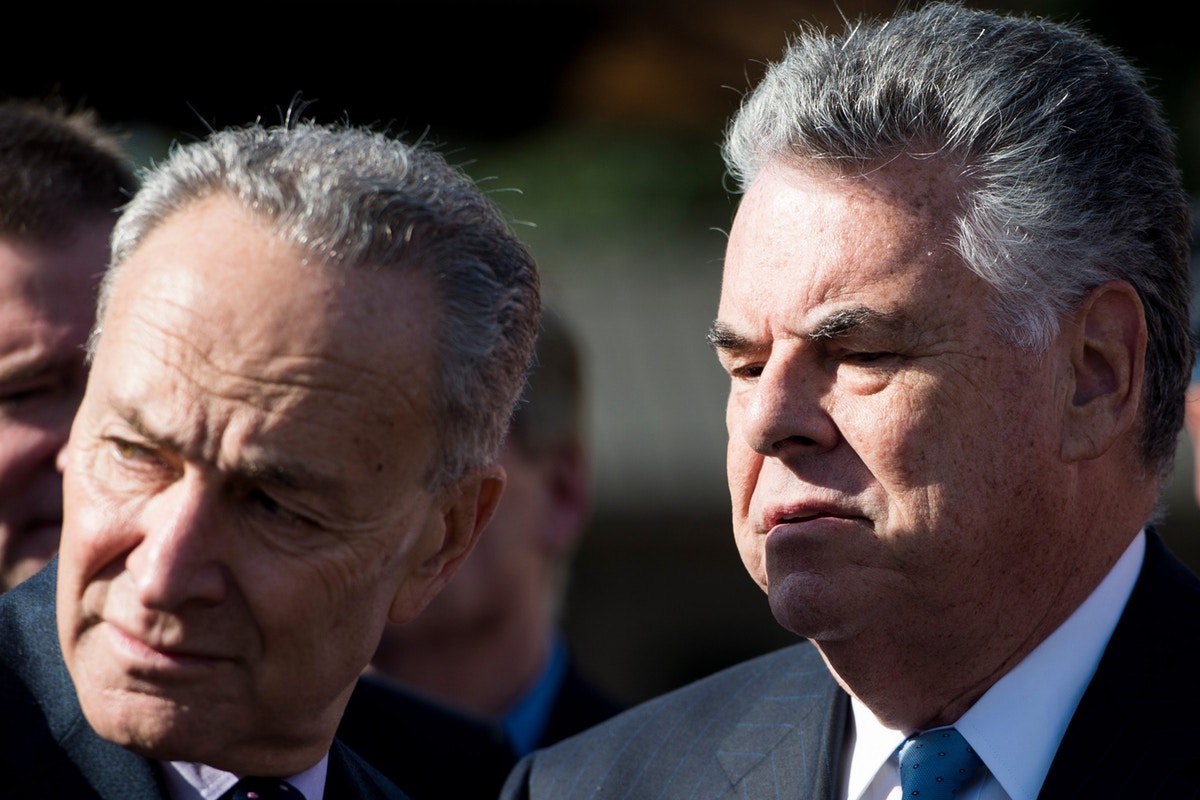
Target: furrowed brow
(290, 476)
(134, 419)
(724, 339)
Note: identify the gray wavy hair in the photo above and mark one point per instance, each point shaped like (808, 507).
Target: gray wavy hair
(1071, 168)
(360, 198)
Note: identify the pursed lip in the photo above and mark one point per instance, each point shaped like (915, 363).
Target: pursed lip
(146, 652)
(808, 512)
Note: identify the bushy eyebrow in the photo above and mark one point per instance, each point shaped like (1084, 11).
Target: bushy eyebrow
(844, 322)
(723, 338)
(850, 320)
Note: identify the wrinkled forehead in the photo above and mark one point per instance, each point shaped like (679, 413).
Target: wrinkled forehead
(918, 181)
(215, 293)
(793, 208)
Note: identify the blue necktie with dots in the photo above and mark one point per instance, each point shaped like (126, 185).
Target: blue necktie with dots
(935, 764)
(251, 788)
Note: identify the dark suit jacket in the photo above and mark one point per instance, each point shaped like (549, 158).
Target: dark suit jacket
(47, 747)
(431, 751)
(773, 727)
(434, 752)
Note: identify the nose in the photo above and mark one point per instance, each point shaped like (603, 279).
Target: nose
(785, 412)
(62, 454)
(180, 557)
(60, 416)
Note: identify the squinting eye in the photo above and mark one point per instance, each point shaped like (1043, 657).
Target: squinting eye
(868, 357)
(129, 450)
(136, 457)
(273, 508)
(752, 371)
(18, 397)
(266, 503)
(12, 396)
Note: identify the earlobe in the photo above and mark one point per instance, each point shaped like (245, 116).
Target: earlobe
(569, 486)
(1108, 351)
(466, 509)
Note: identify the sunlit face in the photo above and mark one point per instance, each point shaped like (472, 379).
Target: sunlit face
(46, 306)
(894, 465)
(245, 494)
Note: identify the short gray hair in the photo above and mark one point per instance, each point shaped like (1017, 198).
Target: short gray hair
(361, 198)
(1071, 168)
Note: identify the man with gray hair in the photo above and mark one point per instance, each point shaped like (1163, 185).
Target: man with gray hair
(308, 346)
(954, 314)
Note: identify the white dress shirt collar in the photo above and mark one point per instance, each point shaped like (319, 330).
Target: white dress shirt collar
(1016, 726)
(189, 781)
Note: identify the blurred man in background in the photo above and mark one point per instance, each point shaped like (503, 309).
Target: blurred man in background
(490, 646)
(62, 178)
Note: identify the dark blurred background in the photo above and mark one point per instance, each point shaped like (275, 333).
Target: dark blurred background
(596, 126)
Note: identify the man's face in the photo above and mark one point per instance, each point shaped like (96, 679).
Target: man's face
(245, 501)
(894, 466)
(46, 308)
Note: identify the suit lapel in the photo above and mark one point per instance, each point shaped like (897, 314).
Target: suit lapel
(1136, 732)
(349, 776)
(114, 772)
(789, 738)
(60, 753)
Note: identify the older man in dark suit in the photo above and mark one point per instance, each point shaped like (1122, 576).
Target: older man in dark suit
(309, 344)
(954, 315)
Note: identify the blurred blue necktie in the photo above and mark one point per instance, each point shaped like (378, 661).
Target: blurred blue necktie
(935, 764)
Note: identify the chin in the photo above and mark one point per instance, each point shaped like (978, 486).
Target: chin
(149, 726)
(802, 603)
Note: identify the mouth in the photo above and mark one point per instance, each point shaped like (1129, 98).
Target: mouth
(145, 656)
(809, 513)
(798, 518)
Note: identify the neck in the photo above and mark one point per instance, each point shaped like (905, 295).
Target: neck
(916, 684)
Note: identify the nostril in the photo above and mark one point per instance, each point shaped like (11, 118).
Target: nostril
(794, 441)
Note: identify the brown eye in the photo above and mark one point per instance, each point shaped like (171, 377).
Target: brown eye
(128, 451)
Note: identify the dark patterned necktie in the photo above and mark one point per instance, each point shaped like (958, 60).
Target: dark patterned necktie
(935, 764)
(251, 788)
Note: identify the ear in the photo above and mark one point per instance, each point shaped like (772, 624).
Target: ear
(466, 508)
(1108, 353)
(568, 486)
(1191, 420)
